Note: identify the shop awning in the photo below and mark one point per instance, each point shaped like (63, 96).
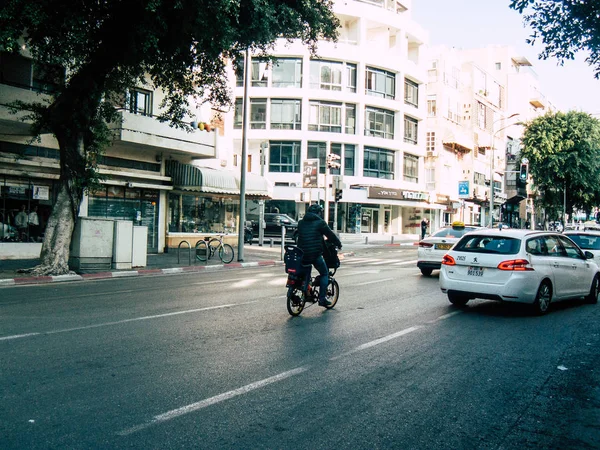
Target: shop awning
(188, 177)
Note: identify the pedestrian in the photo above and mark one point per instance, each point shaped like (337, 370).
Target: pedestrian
(21, 220)
(424, 225)
(311, 230)
(34, 224)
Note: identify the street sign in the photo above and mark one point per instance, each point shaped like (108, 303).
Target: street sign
(463, 189)
(310, 173)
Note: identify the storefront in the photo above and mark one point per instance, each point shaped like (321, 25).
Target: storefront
(205, 203)
(30, 196)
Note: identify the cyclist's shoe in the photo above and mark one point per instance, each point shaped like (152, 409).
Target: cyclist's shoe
(324, 302)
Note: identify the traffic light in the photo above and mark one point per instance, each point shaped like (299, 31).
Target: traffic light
(338, 194)
(523, 172)
(333, 161)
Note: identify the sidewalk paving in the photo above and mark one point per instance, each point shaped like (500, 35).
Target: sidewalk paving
(184, 262)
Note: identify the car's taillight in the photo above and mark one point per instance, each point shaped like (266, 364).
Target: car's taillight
(448, 260)
(425, 244)
(515, 264)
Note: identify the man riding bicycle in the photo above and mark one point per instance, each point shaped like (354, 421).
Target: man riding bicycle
(311, 230)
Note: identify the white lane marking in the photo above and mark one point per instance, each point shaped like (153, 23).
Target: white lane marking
(212, 400)
(200, 283)
(174, 413)
(245, 283)
(135, 319)
(445, 316)
(374, 281)
(405, 262)
(17, 336)
(387, 338)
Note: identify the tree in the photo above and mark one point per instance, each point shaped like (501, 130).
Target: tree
(565, 27)
(563, 150)
(107, 46)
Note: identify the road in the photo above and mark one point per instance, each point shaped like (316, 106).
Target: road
(213, 360)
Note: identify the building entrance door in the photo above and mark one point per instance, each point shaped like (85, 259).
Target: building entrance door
(369, 220)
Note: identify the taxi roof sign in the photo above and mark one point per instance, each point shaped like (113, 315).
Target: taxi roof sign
(458, 224)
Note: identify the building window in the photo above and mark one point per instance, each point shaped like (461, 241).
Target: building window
(479, 178)
(430, 142)
(351, 77)
(258, 113)
(431, 106)
(378, 163)
(411, 92)
(336, 149)
(411, 168)
(380, 83)
(287, 72)
(318, 150)
(326, 75)
(325, 116)
(411, 130)
(498, 66)
(379, 123)
(284, 156)
(238, 69)
(259, 73)
(349, 158)
(139, 101)
(350, 118)
(238, 115)
(286, 114)
(430, 179)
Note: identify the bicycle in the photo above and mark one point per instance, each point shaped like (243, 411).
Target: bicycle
(302, 287)
(206, 249)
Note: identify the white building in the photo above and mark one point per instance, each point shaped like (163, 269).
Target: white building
(363, 99)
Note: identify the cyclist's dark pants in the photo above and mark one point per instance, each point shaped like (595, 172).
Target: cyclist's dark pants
(321, 266)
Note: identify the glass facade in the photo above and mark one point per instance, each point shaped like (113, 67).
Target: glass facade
(202, 213)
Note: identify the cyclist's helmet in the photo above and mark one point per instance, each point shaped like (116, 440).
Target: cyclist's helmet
(316, 209)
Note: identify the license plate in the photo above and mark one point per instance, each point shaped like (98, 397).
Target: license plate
(475, 271)
(443, 246)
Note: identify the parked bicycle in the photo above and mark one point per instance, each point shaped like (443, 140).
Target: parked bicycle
(207, 249)
(302, 287)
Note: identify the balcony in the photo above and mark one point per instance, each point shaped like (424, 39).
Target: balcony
(12, 123)
(138, 132)
(459, 141)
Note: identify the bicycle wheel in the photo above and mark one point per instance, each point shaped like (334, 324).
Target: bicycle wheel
(202, 251)
(295, 301)
(333, 292)
(213, 246)
(226, 253)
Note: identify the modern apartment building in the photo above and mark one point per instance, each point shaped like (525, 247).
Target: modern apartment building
(477, 100)
(361, 99)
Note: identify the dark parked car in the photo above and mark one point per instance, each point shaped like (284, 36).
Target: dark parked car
(274, 222)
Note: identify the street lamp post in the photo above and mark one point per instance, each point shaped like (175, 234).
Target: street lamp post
(492, 165)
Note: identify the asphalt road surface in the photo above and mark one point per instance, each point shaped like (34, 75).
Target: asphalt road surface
(213, 360)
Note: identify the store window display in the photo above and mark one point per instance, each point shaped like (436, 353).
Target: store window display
(202, 214)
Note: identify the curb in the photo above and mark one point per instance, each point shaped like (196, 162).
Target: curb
(132, 273)
(20, 281)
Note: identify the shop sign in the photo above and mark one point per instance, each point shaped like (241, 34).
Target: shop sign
(442, 199)
(310, 172)
(16, 190)
(396, 194)
(41, 193)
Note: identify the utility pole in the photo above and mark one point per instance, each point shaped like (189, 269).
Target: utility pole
(245, 116)
(332, 163)
(261, 203)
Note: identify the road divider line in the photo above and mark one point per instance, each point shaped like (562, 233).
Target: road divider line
(387, 338)
(17, 336)
(374, 281)
(174, 413)
(405, 262)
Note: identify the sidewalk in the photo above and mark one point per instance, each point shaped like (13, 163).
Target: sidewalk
(184, 262)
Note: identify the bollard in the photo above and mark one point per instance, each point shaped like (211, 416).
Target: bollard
(271, 242)
(392, 240)
(366, 239)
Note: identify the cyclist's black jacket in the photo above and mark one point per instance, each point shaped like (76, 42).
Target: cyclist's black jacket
(311, 230)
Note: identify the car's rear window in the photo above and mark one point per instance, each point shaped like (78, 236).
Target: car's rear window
(488, 244)
(586, 242)
(452, 232)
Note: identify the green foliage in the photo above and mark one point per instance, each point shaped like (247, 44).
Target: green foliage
(565, 27)
(564, 149)
(182, 47)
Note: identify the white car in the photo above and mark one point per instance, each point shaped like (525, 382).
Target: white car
(433, 248)
(524, 266)
(587, 240)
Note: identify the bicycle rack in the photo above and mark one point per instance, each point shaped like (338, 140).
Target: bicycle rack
(189, 251)
(207, 248)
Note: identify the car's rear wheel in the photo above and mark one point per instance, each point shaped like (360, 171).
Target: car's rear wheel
(594, 291)
(543, 298)
(426, 272)
(457, 300)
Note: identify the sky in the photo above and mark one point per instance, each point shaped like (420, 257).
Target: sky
(478, 23)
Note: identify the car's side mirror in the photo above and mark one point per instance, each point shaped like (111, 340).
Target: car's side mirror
(588, 255)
